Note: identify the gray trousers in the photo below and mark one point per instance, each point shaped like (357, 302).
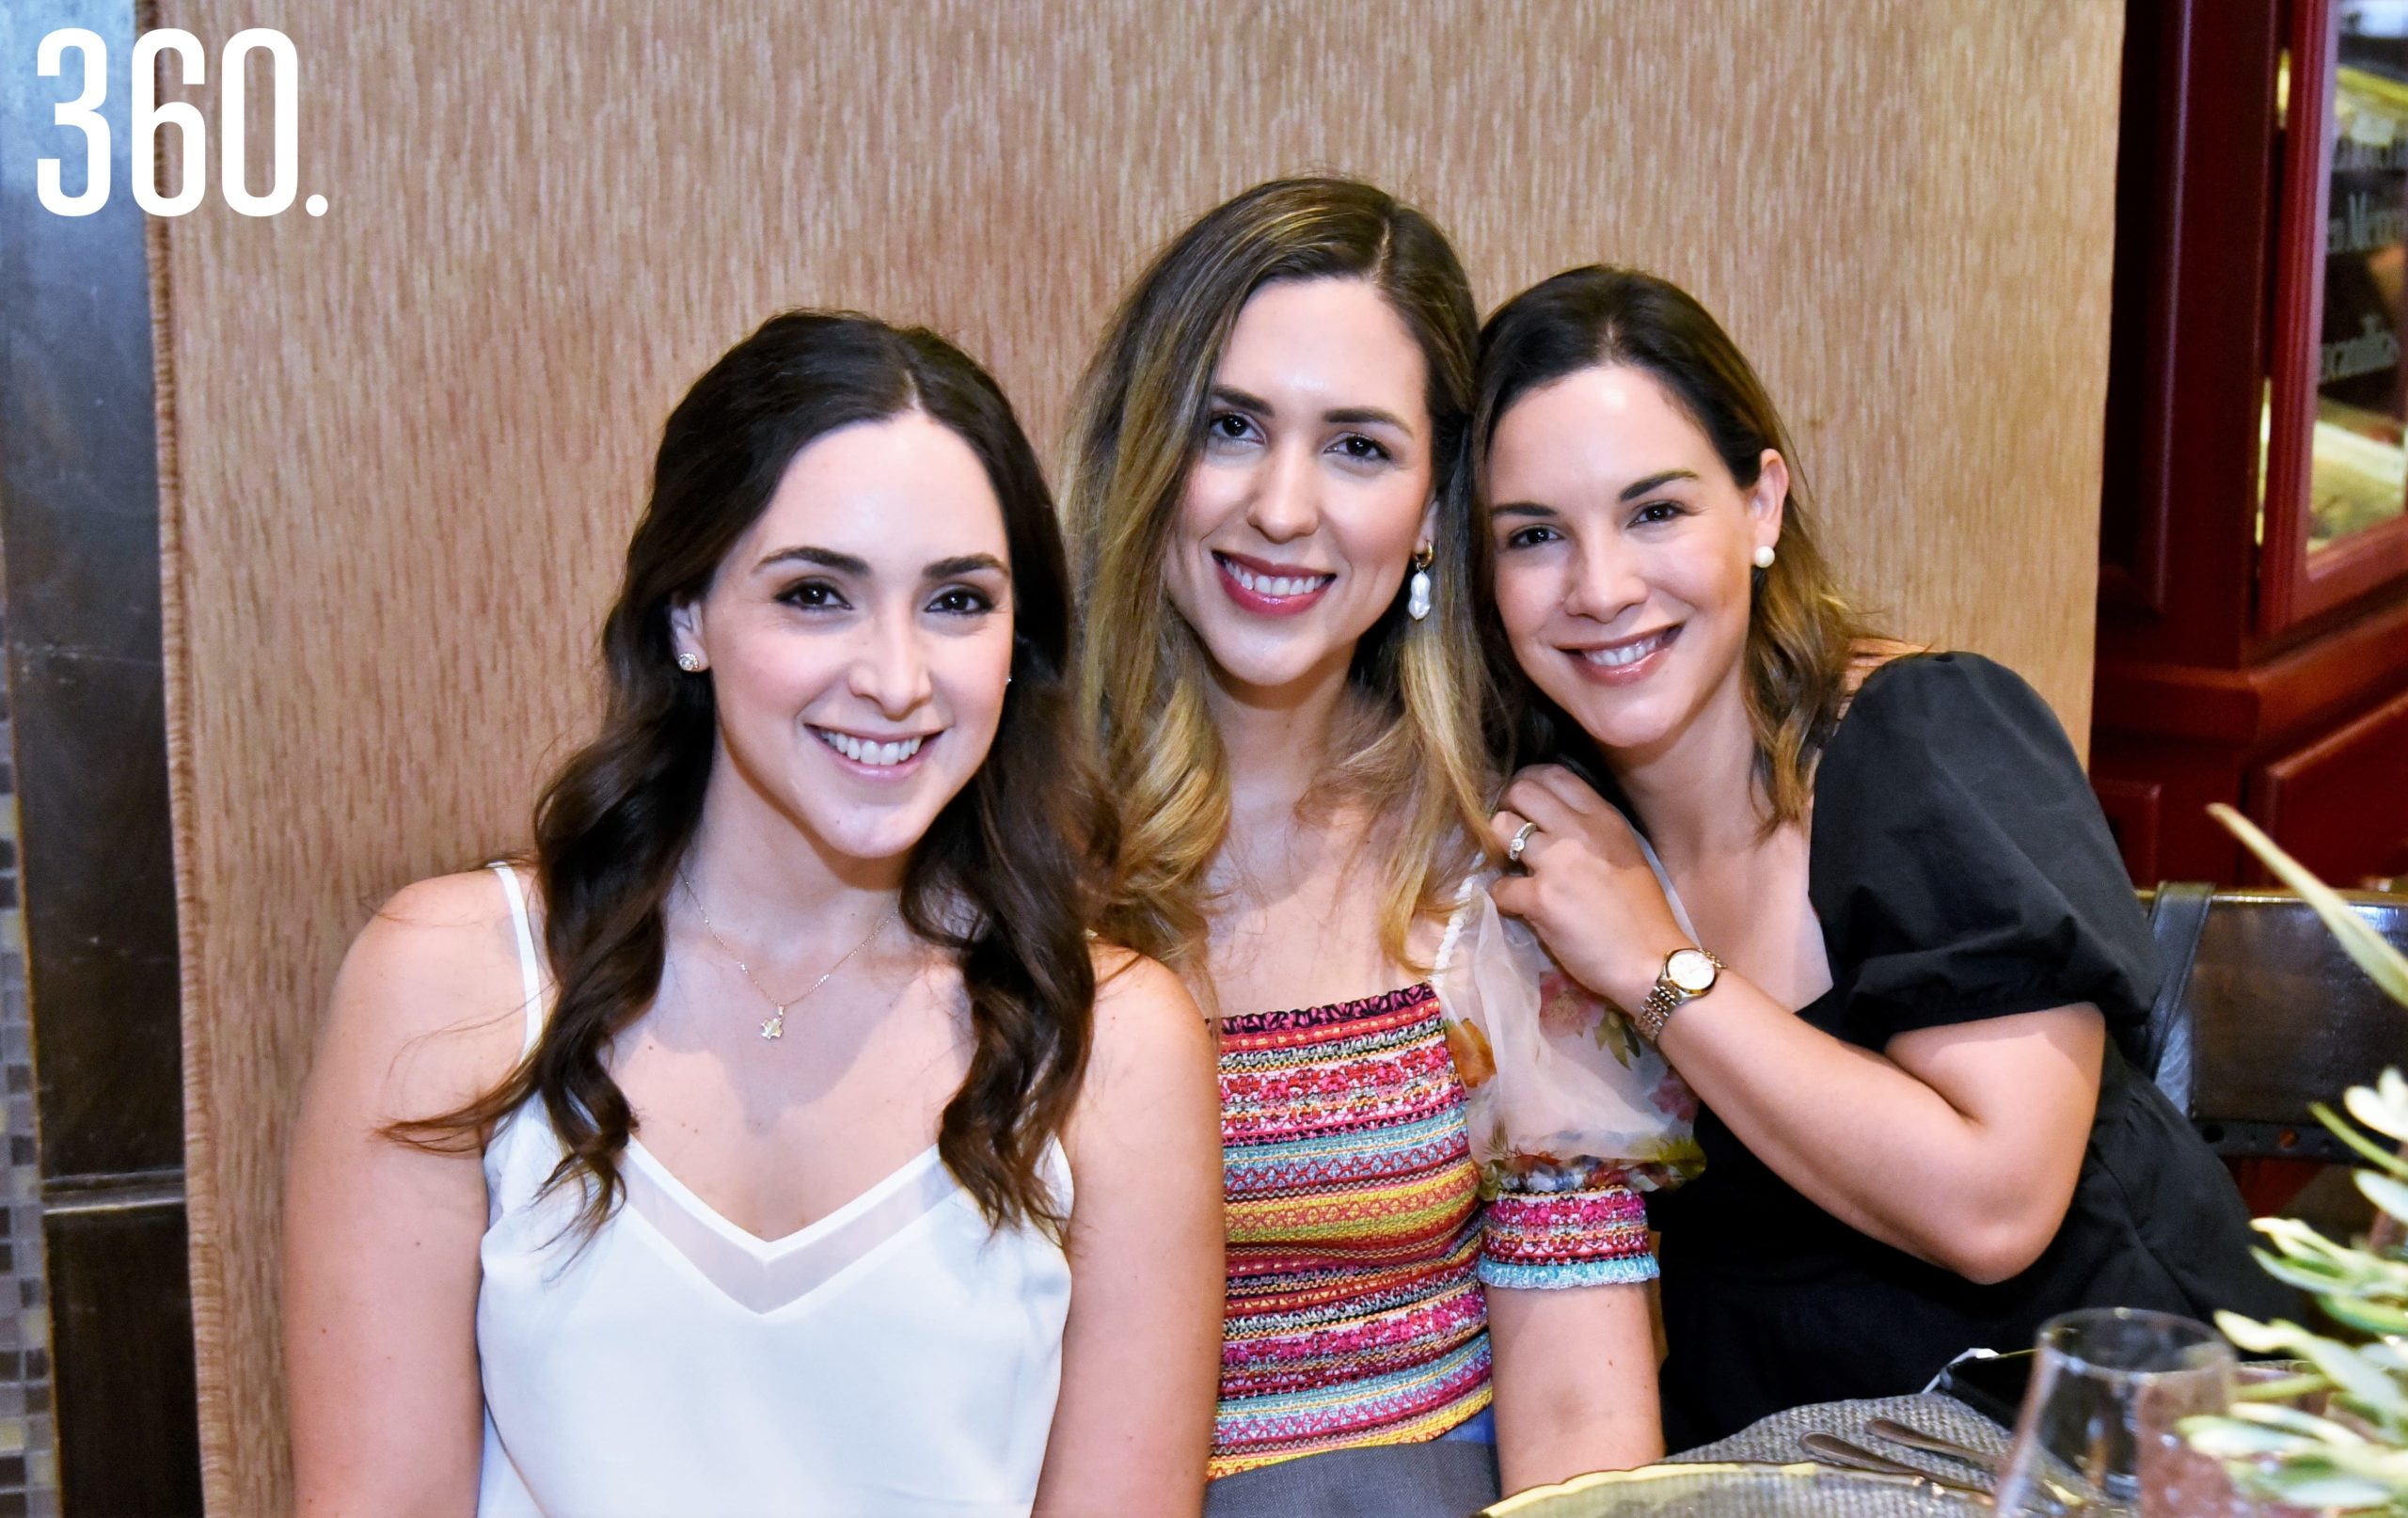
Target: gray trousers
(1446, 1478)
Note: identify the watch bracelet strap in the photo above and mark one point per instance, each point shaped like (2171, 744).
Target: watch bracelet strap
(1656, 1010)
(1664, 998)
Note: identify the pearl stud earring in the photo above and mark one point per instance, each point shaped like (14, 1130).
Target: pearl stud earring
(1764, 556)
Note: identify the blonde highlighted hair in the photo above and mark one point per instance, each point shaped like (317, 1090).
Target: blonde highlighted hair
(1803, 636)
(1413, 752)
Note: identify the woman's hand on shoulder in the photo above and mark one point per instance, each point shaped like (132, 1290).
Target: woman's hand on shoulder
(1587, 890)
(1142, 1352)
(381, 1238)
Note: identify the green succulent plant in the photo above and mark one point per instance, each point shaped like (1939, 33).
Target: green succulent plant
(2352, 1458)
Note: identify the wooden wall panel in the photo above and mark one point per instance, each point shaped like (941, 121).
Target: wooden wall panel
(407, 439)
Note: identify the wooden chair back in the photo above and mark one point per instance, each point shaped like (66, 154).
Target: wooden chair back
(2262, 1014)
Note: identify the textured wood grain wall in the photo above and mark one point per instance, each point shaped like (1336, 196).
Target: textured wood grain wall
(407, 439)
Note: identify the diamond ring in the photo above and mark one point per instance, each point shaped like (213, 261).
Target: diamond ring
(1521, 840)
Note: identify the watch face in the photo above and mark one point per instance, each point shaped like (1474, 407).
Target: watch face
(1690, 970)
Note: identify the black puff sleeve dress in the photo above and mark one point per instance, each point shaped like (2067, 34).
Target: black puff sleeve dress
(1961, 870)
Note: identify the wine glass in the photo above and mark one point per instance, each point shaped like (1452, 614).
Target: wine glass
(2096, 1436)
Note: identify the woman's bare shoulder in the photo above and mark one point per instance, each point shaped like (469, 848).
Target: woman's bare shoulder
(433, 988)
(1131, 986)
(453, 931)
(1148, 1099)
(1144, 1015)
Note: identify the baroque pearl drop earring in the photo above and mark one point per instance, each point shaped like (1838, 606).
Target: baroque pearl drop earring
(1416, 599)
(1764, 556)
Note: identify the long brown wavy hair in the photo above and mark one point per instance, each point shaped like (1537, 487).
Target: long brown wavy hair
(1802, 634)
(1414, 749)
(1000, 878)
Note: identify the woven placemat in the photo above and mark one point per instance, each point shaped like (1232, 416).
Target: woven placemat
(1774, 1439)
(1746, 1489)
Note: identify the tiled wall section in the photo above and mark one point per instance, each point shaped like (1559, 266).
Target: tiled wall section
(28, 1458)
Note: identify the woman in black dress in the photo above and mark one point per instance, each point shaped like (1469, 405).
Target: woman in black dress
(1929, 974)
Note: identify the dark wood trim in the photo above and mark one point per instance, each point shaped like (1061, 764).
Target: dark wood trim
(2325, 801)
(2133, 808)
(79, 514)
(2297, 308)
(2296, 584)
(2254, 706)
(2187, 779)
(96, 1193)
(123, 1352)
(2154, 126)
(79, 517)
(2339, 575)
(2195, 187)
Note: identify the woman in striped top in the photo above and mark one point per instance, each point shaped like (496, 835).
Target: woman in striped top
(1266, 493)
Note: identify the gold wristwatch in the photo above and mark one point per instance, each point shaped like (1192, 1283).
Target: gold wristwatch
(1687, 975)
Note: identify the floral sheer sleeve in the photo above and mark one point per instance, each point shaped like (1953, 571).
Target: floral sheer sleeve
(1572, 1115)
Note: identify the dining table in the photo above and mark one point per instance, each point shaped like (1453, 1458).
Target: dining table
(1764, 1472)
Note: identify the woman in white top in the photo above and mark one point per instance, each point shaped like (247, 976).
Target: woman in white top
(777, 1142)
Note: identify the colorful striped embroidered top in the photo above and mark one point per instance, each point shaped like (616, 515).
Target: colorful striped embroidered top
(1357, 1240)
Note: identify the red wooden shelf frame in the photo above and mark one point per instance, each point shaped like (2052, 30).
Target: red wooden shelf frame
(2295, 584)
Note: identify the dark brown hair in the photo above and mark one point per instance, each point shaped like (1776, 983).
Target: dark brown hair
(1802, 635)
(1139, 427)
(999, 878)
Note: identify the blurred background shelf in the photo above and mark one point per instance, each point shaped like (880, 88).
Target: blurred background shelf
(2252, 600)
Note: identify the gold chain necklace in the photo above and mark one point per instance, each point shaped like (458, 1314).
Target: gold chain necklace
(774, 1026)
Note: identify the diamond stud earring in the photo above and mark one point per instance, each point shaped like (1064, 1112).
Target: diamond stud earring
(691, 662)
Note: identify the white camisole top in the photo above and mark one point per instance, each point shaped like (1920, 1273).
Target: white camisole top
(895, 1358)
